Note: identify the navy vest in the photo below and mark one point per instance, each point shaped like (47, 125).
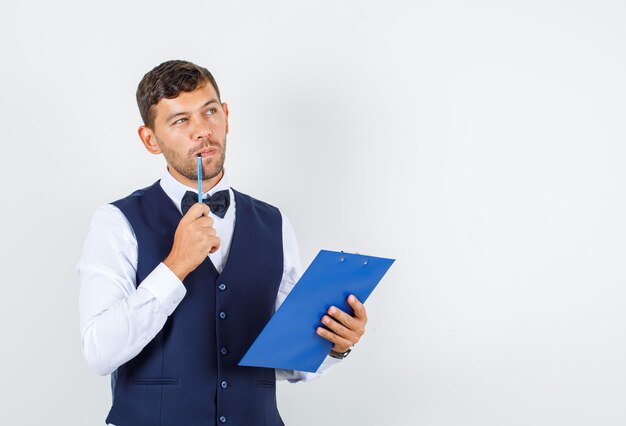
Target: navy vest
(188, 374)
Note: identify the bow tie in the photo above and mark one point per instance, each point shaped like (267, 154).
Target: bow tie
(218, 202)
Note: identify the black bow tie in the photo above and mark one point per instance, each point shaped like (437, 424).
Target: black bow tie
(218, 202)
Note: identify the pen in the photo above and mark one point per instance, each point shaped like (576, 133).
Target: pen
(199, 178)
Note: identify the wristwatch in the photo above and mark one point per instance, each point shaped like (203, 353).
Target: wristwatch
(339, 355)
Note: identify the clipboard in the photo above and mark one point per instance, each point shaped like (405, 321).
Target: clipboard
(289, 340)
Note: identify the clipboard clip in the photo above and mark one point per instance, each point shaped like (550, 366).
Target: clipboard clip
(342, 259)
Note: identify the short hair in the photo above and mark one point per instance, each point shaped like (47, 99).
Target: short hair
(168, 80)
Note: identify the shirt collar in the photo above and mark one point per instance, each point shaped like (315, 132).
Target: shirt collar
(176, 190)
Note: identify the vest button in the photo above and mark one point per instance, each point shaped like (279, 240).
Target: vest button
(222, 419)
(224, 351)
(222, 315)
(224, 384)
(222, 286)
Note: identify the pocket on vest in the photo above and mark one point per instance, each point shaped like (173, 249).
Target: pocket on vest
(266, 383)
(155, 381)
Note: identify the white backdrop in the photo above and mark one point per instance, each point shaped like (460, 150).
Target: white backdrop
(479, 143)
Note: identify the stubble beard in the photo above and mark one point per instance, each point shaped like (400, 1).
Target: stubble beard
(188, 166)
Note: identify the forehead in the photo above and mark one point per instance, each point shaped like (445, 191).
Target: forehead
(184, 102)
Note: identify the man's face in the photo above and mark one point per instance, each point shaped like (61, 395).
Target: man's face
(192, 123)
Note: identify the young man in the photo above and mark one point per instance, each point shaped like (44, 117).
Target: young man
(174, 292)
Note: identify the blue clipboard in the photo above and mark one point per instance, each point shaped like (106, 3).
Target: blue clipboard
(289, 340)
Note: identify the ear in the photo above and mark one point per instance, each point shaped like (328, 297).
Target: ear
(149, 139)
(225, 108)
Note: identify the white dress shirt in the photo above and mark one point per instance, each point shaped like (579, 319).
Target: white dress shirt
(118, 318)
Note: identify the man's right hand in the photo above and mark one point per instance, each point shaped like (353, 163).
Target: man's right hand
(194, 239)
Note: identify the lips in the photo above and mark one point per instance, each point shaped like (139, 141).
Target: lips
(206, 152)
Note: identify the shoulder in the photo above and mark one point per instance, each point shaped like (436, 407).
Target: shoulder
(112, 217)
(109, 226)
(254, 203)
(135, 196)
(108, 216)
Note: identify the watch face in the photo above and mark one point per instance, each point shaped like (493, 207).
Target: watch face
(339, 355)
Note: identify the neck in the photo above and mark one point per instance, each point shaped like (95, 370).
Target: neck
(207, 184)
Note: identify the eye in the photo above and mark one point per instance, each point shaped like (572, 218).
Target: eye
(180, 121)
(211, 111)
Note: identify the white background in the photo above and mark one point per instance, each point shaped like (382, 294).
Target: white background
(479, 143)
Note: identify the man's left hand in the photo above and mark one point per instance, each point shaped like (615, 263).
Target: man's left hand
(342, 329)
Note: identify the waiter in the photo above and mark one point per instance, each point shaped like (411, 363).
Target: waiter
(174, 292)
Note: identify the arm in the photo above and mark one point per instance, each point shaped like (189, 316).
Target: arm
(117, 318)
(292, 270)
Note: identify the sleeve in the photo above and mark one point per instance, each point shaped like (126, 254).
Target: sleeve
(117, 317)
(292, 270)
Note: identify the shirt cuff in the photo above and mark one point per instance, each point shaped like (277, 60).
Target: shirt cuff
(328, 362)
(294, 376)
(166, 288)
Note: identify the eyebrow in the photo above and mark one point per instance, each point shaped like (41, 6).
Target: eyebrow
(176, 114)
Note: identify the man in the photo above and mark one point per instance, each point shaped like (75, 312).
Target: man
(173, 292)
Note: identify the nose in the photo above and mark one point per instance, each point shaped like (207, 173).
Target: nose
(202, 130)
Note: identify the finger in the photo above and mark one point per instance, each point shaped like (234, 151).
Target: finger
(205, 221)
(215, 245)
(340, 329)
(339, 341)
(205, 230)
(359, 308)
(195, 211)
(350, 322)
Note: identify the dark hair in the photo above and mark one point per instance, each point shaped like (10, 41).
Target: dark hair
(168, 80)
